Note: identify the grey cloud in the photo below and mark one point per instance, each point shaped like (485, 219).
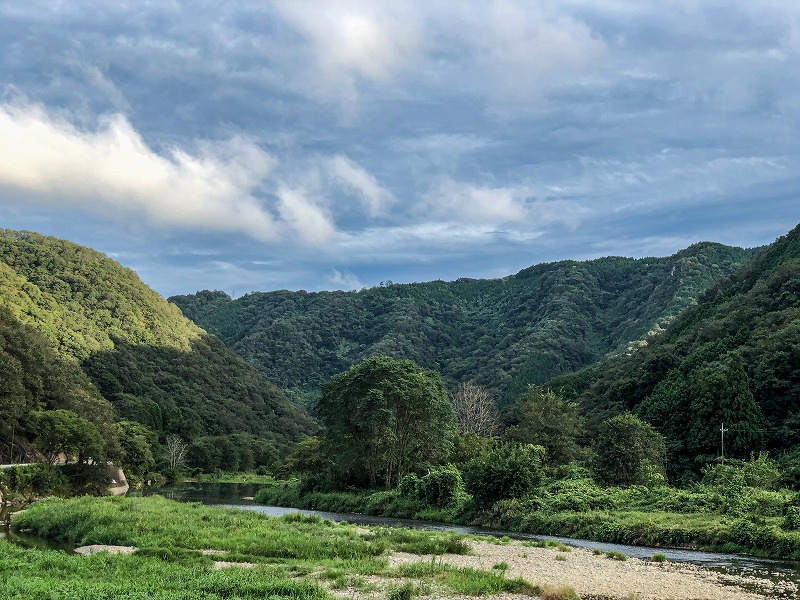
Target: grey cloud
(476, 137)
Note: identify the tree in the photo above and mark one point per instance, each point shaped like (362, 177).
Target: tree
(628, 451)
(62, 431)
(720, 393)
(137, 442)
(175, 452)
(384, 418)
(546, 419)
(475, 409)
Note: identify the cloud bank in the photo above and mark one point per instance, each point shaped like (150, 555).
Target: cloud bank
(318, 144)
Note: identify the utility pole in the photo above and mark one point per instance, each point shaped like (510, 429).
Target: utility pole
(722, 431)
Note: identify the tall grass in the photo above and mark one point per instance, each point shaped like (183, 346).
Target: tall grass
(29, 573)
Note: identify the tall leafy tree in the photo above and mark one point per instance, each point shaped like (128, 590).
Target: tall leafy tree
(545, 418)
(385, 418)
(628, 451)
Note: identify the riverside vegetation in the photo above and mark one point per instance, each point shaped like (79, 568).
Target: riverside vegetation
(180, 547)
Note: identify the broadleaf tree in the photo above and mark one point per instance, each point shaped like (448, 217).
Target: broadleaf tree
(384, 418)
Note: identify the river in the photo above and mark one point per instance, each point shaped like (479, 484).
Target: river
(240, 495)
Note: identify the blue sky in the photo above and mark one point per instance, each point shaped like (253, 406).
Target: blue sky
(333, 145)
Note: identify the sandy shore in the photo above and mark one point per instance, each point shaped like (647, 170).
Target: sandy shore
(599, 576)
(589, 574)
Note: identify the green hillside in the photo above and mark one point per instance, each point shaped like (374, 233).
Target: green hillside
(505, 333)
(734, 358)
(123, 344)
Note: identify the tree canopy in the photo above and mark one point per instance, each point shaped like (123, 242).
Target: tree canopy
(79, 332)
(384, 418)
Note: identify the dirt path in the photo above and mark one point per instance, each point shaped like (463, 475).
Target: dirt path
(599, 576)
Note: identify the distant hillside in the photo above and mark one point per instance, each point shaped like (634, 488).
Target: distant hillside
(505, 333)
(138, 351)
(734, 358)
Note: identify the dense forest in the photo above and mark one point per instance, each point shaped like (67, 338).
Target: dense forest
(506, 333)
(732, 359)
(81, 334)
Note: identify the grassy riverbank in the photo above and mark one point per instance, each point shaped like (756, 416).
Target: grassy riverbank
(661, 516)
(181, 547)
(180, 551)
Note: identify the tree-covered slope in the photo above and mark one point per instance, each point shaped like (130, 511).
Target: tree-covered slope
(139, 352)
(504, 333)
(734, 358)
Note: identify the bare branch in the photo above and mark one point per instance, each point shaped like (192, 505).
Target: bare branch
(475, 409)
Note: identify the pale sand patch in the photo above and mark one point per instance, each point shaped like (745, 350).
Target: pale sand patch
(95, 548)
(593, 575)
(224, 564)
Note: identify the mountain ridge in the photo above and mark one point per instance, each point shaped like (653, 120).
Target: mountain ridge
(506, 327)
(137, 350)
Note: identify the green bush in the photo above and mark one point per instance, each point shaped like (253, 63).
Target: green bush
(506, 472)
(409, 486)
(28, 482)
(791, 521)
(441, 486)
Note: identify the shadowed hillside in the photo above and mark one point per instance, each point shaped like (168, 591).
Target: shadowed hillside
(734, 358)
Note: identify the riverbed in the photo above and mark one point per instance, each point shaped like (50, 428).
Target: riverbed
(240, 495)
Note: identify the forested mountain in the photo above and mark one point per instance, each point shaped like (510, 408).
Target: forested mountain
(734, 358)
(505, 333)
(79, 331)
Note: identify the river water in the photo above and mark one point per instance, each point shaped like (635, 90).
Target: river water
(240, 495)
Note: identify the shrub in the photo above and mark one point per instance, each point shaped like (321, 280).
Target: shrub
(402, 592)
(659, 558)
(441, 486)
(506, 472)
(409, 486)
(791, 521)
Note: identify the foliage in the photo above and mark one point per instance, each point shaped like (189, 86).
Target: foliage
(628, 451)
(758, 472)
(78, 331)
(507, 472)
(63, 432)
(732, 358)
(544, 418)
(504, 333)
(23, 483)
(440, 487)
(384, 418)
(138, 444)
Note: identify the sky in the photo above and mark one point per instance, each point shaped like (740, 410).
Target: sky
(306, 144)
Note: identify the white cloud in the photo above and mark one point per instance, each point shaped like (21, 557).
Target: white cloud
(352, 40)
(49, 161)
(376, 199)
(468, 203)
(523, 47)
(344, 280)
(308, 219)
